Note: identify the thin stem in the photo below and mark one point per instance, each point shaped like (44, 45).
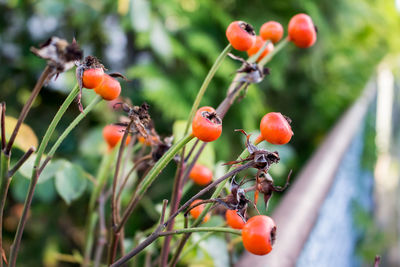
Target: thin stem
(73, 124)
(150, 239)
(5, 183)
(164, 208)
(35, 176)
(114, 211)
(3, 125)
(21, 161)
(102, 240)
(49, 132)
(39, 84)
(195, 244)
(152, 175)
(202, 229)
(277, 48)
(205, 84)
(175, 200)
(101, 179)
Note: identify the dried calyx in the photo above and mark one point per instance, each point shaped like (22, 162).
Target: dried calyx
(247, 27)
(212, 116)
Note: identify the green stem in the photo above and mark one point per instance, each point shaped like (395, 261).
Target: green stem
(160, 165)
(277, 48)
(101, 179)
(35, 176)
(73, 124)
(195, 244)
(205, 84)
(5, 182)
(202, 229)
(72, 95)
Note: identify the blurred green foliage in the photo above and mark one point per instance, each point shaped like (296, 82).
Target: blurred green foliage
(166, 47)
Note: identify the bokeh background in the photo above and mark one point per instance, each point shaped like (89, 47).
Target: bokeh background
(165, 48)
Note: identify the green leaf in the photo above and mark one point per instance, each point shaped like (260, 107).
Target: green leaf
(70, 182)
(49, 172)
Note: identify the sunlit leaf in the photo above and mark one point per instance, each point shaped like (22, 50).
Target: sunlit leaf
(26, 137)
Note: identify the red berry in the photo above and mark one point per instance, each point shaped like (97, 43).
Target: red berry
(92, 77)
(302, 31)
(271, 30)
(195, 212)
(233, 219)
(258, 235)
(275, 128)
(206, 125)
(109, 88)
(240, 35)
(257, 46)
(201, 175)
(113, 134)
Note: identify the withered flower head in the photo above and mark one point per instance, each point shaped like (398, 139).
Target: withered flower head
(60, 55)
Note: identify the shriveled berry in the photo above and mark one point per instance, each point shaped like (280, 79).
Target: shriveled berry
(257, 46)
(109, 88)
(240, 35)
(302, 31)
(201, 175)
(206, 125)
(275, 128)
(258, 235)
(271, 30)
(233, 219)
(92, 77)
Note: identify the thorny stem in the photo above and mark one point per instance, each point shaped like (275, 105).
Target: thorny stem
(159, 229)
(114, 215)
(38, 86)
(36, 173)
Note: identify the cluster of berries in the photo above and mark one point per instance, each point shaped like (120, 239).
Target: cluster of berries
(241, 36)
(102, 83)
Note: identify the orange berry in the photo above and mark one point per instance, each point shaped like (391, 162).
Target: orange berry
(109, 88)
(275, 128)
(257, 46)
(271, 30)
(302, 31)
(112, 134)
(233, 219)
(91, 78)
(195, 212)
(240, 35)
(258, 235)
(201, 175)
(206, 125)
